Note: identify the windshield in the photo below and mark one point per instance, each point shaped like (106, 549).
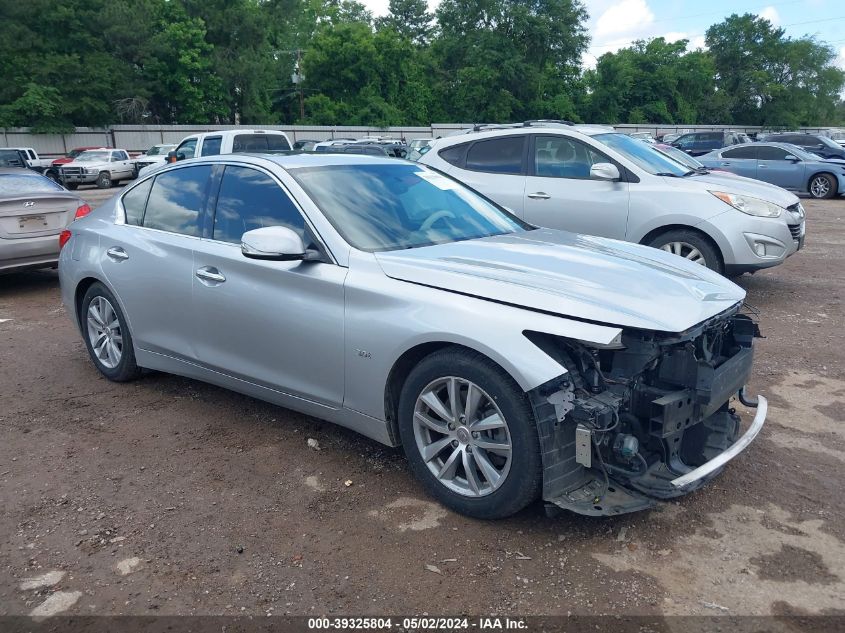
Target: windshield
(829, 142)
(18, 184)
(800, 152)
(645, 156)
(381, 207)
(158, 150)
(92, 157)
(680, 156)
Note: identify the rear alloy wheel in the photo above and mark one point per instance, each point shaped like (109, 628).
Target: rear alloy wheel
(104, 180)
(822, 186)
(107, 336)
(469, 434)
(690, 246)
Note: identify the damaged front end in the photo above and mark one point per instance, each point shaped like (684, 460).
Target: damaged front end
(645, 420)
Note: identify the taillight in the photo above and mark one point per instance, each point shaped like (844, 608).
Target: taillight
(82, 211)
(64, 236)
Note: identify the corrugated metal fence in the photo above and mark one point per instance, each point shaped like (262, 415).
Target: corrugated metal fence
(139, 138)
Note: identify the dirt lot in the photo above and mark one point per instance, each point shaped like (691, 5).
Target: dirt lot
(168, 496)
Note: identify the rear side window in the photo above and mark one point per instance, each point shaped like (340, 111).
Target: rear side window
(211, 146)
(259, 143)
(499, 155)
(740, 152)
(177, 199)
(454, 155)
(250, 199)
(135, 201)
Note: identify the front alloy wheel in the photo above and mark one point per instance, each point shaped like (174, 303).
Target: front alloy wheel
(462, 436)
(685, 250)
(469, 434)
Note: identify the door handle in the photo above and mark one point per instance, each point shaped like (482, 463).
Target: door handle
(759, 166)
(117, 254)
(539, 195)
(726, 164)
(209, 273)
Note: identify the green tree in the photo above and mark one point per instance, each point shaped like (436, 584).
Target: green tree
(410, 18)
(772, 80)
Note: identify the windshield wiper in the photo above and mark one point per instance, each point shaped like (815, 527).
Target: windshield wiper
(666, 173)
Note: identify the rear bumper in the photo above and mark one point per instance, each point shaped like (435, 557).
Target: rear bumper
(32, 252)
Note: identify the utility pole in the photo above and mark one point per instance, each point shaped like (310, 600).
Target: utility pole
(298, 82)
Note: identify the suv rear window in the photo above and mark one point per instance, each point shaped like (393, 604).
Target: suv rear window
(499, 155)
(259, 143)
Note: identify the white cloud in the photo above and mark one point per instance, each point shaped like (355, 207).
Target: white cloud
(674, 36)
(697, 42)
(771, 14)
(840, 60)
(380, 7)
(625, 17)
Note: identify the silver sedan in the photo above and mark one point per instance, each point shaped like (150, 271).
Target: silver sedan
(511, 363)
(34, 211)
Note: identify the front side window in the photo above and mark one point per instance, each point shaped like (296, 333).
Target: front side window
(769, 152)
(499, 155)
(135, 201)
(250, 199)
(561, 157)
(177, 199)
(187, 149)
(740, 152)
(383, 207)
(211, 146)
(115, 156)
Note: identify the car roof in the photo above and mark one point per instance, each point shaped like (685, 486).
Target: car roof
(305, 159)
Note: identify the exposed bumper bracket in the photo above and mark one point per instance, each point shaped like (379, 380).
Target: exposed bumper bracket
(740, 445)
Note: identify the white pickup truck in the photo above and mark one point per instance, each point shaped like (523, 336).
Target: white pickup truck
(33, 161)
(103, 167)
(225, 142)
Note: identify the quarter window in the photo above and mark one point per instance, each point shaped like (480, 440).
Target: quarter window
(177, 200)
(250, 199)
(454, 155)
(740, 152)
(499, 155)
(135, 201)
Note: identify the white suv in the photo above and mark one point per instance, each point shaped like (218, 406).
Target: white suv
(590, 179)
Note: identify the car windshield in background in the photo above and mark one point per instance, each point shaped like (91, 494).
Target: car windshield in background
(801, 153)
(679, 156)
(829, 143)
(642, 154)
(15, 184)
(10, 158)
(92, 157)
(158, 150)
(390, 207)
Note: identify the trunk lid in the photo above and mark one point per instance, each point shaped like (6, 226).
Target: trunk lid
(36, 215)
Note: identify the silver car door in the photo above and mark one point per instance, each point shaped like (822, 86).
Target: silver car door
(560, 194)
(773, 167)
(278, 324)
(149, 258)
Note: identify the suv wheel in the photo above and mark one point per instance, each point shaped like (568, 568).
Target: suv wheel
(469, 434)
(104, 180)
(822, 186)
(689, 245)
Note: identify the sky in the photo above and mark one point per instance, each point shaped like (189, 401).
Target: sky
(614, 24)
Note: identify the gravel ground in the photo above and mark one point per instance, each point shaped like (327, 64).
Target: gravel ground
(169, 496)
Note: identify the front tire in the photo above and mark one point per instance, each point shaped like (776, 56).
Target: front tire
(104, 180)
(71, 186)
(107, 335)
(689, 245)
(822, 186)
(469, 434)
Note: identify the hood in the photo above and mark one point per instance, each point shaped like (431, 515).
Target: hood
(572, 275)
(731, 183)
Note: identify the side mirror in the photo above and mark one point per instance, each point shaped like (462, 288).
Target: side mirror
(172, 157)
(275, 243)
(604, 171)
(792, 158)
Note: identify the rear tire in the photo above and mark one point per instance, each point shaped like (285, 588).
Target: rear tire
(71, 186)
(107, 336)
(503, 480)
(104, 180)
(822, 186)
(689, 245)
